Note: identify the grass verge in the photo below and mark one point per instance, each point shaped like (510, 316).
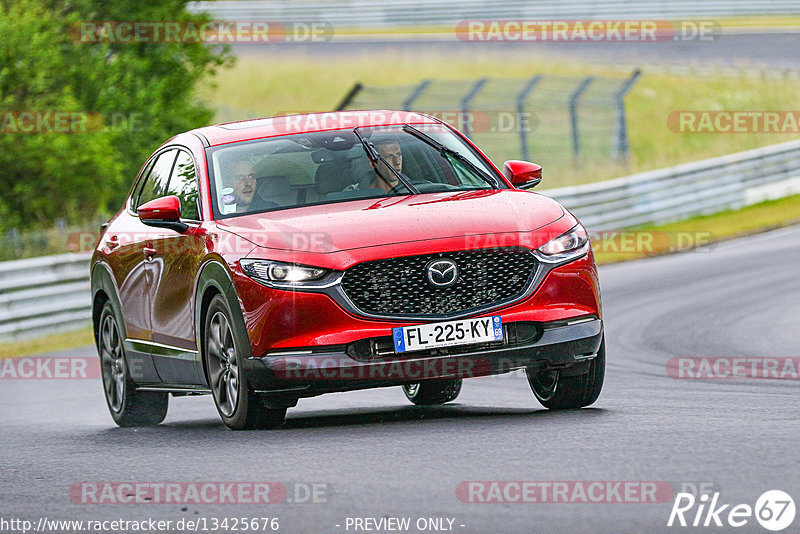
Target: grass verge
(53, 342)
(653, 240)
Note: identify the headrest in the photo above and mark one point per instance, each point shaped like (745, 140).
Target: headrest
(333, 176)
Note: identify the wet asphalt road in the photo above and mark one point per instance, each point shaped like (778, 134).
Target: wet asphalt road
(378, 456)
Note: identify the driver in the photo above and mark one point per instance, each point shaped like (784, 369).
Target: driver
(389, 149)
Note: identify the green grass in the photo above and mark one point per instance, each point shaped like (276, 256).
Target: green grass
(766, 21)
(295, 82)
(62, 341)
(666, 238)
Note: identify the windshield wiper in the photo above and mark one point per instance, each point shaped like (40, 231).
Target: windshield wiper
(374, 157)
(447, 151)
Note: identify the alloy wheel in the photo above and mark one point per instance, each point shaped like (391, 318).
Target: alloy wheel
(411, 389)
(223, 364)
(544, 384)
(113, 362)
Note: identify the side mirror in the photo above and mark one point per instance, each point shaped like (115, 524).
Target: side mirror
(163, 212)
(522, 174)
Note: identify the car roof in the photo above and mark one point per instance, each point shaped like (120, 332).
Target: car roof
(232, 132)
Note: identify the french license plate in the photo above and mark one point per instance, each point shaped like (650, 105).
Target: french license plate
(449, 334)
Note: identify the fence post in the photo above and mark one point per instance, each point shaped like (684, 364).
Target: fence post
(521, 97)
(415, 94)
(573, 114)
(348, 98)
(16, 242)
(621, 139)
(467, 100)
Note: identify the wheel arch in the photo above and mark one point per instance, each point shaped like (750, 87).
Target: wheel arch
(104, 289)
(214, 278)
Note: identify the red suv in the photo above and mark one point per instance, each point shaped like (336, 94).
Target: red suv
(273, 259)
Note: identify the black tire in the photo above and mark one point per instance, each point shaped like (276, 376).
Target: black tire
(239, 407)
(432, 392)
(128, 406)
(558, 392)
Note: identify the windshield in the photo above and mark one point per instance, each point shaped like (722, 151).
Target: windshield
(340, 165)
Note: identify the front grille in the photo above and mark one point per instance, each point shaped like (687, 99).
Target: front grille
(399, 287)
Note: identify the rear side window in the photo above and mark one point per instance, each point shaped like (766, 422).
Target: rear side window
(183, 184)
(155, 185)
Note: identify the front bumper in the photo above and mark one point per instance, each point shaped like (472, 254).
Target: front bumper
(285, 320)
(567, 344)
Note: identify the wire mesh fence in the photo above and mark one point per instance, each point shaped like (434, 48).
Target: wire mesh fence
(546, 118)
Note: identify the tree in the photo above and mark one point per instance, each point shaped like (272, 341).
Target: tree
(44, 175)
(144, 92)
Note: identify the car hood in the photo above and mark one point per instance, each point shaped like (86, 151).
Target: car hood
(356, 224)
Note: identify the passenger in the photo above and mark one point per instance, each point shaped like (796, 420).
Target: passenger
(242, 197)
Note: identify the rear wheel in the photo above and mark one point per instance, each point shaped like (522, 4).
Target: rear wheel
(432, 392)
(128, 407)
(556, 391)
(238, 405)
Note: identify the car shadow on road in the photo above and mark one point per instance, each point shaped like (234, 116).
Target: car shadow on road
(410, 414)
(365, 417)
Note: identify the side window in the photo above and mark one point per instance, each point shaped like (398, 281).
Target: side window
(142, 178)
(183, 184)
(156, 184)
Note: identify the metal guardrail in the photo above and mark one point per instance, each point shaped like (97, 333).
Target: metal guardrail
(697, 188)
(376, 13)
(51, 293)
(44, 295)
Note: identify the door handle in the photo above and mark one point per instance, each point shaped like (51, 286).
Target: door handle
(149, 251)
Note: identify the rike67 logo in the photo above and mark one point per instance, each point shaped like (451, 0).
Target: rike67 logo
(774, 510)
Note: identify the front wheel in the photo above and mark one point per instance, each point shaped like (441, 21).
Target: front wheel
(556, 391)
(128, 406)
(432, 392)
(239, 407)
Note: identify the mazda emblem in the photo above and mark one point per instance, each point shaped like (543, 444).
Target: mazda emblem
(442, 273)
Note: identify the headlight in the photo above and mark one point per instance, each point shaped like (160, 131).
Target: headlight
(568, 246)
(282, 274)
